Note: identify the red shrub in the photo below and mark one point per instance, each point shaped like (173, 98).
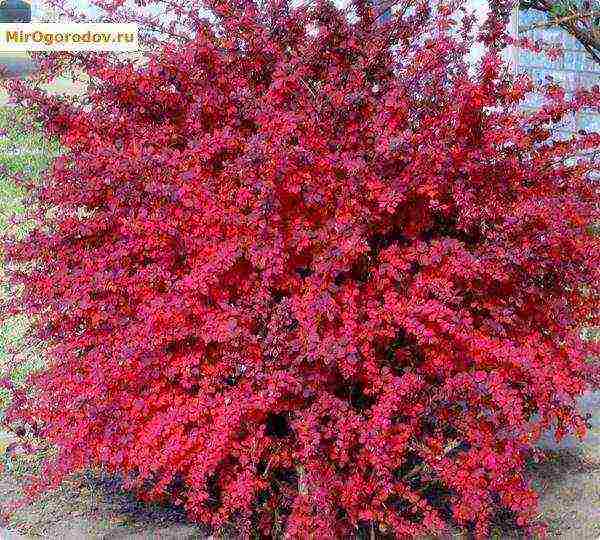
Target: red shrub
(308, 282)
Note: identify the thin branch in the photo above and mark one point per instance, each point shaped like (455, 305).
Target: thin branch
(589, 37)
(560, 21)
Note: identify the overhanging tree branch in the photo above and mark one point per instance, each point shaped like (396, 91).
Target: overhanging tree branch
(581, 20)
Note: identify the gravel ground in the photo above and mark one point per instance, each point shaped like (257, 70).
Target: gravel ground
(92, 507)
(569, 485)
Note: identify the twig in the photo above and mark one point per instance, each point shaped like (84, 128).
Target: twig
(562, 20)
(589, 38)
(302, 487)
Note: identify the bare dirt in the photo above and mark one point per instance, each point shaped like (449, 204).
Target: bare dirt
(90, 507)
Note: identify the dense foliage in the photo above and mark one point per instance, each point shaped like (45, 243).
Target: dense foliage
(309, 274)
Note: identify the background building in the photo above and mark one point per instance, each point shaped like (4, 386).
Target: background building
(575, 69)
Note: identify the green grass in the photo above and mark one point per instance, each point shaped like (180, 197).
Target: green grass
(23, 151)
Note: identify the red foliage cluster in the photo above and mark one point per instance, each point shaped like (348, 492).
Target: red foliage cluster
(310, 274)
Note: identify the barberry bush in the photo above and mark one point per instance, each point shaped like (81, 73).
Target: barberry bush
(310, 273)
